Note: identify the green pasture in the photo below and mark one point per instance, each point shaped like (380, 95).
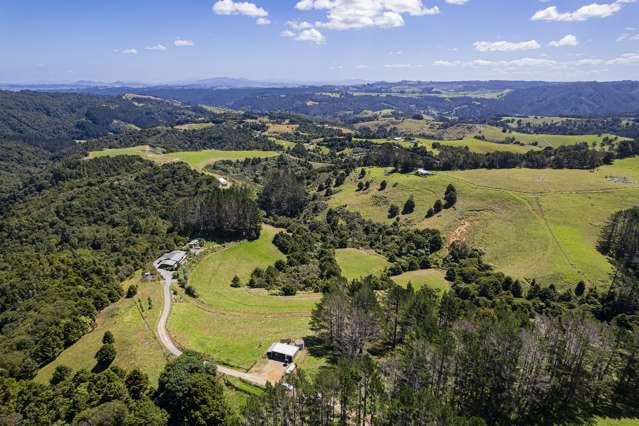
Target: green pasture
(433, 278)
(196, 159)
(356, 263)
(540, 224)
(236, 325)
(134, 330)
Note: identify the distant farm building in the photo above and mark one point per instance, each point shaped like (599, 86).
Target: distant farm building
(424, 172)
(172, 260)
(282, 352)
(194, 245)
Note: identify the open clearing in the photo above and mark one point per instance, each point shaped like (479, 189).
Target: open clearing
(433, 278)
(196, 159)
(540, 224)
(607, 421)
(237, 325)
(543, 140)
(133, 329)
(474, 145)
(356, 263)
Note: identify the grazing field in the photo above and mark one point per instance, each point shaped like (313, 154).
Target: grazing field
(134, 332)
(194, 126)
(196, 159)
(474, 145)
(543, 140)
(607, 421)
(236, 325)
(356, 263)
(540, 224)
(433, 278)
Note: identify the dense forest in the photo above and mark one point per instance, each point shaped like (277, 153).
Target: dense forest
(54, 120)
(74, 232)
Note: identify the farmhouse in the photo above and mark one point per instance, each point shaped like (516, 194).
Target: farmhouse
(194, 245)
(282, 352)
(424, 172)
(172, 260)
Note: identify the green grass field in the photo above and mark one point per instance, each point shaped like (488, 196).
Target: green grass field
(474, 145)
(236, 325)
(134, 332)
(540, 224)
(196, 159)
(356, 263)
(495, 134)
(606, 421)
(433, 278)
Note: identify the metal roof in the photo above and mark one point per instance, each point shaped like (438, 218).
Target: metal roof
(283, 348)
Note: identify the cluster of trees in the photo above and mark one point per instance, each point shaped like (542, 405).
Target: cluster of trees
(574, 126)
(227, 136)
(69, 237)
(18, 163)
(190, 392)
(284, 193)
(309, 248)
(406, 160)
(229, 213)
(450, 199)
(484, 353)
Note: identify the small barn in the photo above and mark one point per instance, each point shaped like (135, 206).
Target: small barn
(282, 352)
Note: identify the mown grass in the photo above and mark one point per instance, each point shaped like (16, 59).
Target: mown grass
(540, 224)
(356, 263)
(196, 159)
(134, 331)
(236, 325)
(474, 145)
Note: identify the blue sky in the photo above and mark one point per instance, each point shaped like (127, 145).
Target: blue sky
(318, 40)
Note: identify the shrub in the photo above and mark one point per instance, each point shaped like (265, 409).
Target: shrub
(131, 291)
(190, 291)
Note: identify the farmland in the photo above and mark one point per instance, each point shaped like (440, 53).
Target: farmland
(356, 263)
(539, 224)
(432, 278)
(134, 332)
(196, 159)
(236, 325)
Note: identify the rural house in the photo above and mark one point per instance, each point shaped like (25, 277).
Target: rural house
(172, 260)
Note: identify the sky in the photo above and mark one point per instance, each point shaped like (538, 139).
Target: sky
(157, 41)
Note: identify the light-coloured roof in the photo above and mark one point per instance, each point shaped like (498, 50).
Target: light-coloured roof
(174, 256)
(283, 348)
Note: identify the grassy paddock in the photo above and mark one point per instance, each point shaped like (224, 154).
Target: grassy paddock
(196, 159)
(236, 325)
(133, 330)
(433, 278)
(539, 224)
(356, 263)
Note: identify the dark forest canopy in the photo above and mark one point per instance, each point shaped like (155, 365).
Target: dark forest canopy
(228, 136)
(54, 120)
(79, 229)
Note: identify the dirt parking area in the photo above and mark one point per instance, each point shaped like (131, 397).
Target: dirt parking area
(272, 371)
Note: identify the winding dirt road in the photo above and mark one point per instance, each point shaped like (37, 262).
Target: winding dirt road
(166, 341)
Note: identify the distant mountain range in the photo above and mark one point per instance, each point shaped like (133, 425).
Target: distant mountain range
(458, 99)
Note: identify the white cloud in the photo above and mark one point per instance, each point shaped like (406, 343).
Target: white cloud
(311, 35)
(568, 40)
(263, 21)
(397, 66)
(457, 1)
(183, 43)
(297, 25)
(129, 51)
(625, 59)
(156, 47)
(505, 46)
(230, 7)
(628, 36)
(287, 33)
(361, 67)
(593, 10)
(355, 14)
